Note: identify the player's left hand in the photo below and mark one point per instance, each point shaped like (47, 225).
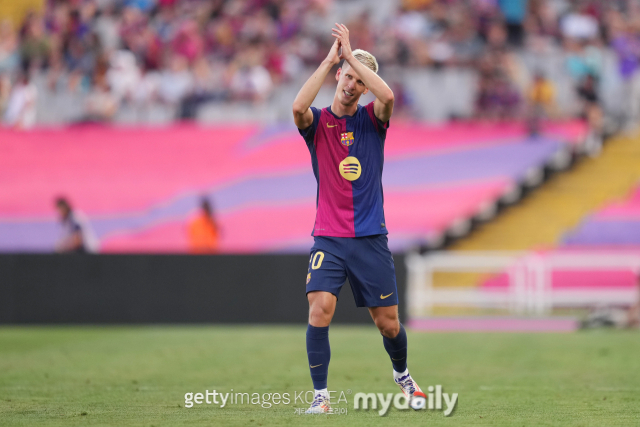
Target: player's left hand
(341, 32)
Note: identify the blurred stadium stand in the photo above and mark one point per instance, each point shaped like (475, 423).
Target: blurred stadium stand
(221, 61)
(573, 245)
(565, 201)
(615, 225)
(431, 95)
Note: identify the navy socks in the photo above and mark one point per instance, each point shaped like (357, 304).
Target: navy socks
(319, 354)
(397, 349)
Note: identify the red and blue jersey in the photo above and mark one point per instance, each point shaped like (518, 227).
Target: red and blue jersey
(347, 155)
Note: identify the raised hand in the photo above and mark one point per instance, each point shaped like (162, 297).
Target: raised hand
(334, 54)
(341, 33)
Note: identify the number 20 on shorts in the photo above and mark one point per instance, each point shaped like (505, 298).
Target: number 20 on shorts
(316, 260)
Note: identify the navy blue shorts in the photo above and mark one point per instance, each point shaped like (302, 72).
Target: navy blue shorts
(365, 261)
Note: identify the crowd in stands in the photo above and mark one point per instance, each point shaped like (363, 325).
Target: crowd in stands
(186, 52)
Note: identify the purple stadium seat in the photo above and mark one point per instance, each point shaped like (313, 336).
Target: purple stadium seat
(138, 186)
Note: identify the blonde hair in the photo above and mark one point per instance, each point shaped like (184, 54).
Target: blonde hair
(366, 59)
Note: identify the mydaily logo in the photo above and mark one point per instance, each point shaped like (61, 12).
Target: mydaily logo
(433, 401)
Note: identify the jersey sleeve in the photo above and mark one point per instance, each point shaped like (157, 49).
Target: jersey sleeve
(381, 127)
(309, 133)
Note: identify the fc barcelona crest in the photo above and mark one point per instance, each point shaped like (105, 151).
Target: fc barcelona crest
(346, 138)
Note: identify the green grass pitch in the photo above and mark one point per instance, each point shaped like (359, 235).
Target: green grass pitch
(137, 376)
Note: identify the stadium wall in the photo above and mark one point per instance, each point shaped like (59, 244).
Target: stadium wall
(112, 289)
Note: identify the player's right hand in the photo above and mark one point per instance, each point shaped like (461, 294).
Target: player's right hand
(334, 54)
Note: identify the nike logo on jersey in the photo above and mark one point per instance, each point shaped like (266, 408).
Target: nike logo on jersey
(315, 366)
(385, 296)
(331, 126)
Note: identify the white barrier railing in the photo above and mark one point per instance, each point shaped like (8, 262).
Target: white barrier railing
(530, 289)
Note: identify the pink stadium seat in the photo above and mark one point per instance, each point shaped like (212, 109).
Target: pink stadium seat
(138, 186)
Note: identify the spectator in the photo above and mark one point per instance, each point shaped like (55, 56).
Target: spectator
(262, 44)
(35, 48)
(101, 104)
(540, 26)
(9, 57)
(625, 42)
(106, 28)
(123, 75)
(208, 84)
(541, 99)
(514, 12)
(251, 80)
(176, 82)
(188, 42)
(591, 111)
(498, 96)
(146, 92)
(21, 106)
(579, 24)
(76, 236)
(204, 233)
(588, 94)
(5, 92)
(251, 83)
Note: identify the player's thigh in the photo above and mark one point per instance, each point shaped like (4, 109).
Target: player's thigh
(372, 273)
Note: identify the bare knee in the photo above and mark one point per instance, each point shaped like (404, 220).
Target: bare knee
(322, 305)
(386, 320)
(390, 328)
(388, 325)
(319, 315)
